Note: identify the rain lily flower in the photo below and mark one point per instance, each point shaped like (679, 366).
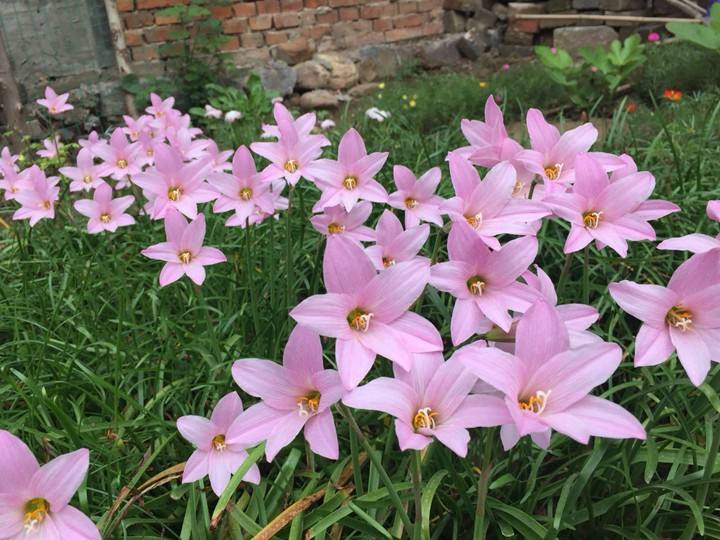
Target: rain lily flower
(13, 182)
(7, 160)
(416, 196)
(212, 112)
(183, 252)
(35, 500)
(54, 103)
(231, 116)
(38, 200)
(395, 245)
(121, 158)
(351, 177)
(488, 206)
(682, 317)
(105, 213)
(86, 175)
(694, 243)
(327, 124)
(174, 184)
(136, 127)
(219, 159)
(51, 148)
(483, 281)
(189, 148)
(553, 155)
(373, 113)
(214, 455)
(367, 312)
(303, 125)
(296, 396)
(160, 107)
(546, 386)
(336, 221)
(604, 211)
(431, 401)
(244, 189)
(295, 151)
(92, 143)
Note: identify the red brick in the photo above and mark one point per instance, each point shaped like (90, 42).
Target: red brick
(286, 20)
(407, 7)
(234, 26)
(138, 20)
(526, 26)
(308, 19)
(349, 14)
(133, 38)
(268, 6)
(316, 31)
(376, 11)
(159, 33)
(245, 9)
(261, 22)
(327, 18)
(221, 12)
(381, 25)
(125, 5)
(165, 19)
(275, 38)
(252, 40)
(342, 3)
(291, 5)
(312, 4)
(151, 4)
(434, 28)
(145, 54)
(400, 34)
(428, 5)
(171, 49)
(232, 44)
(407, 21)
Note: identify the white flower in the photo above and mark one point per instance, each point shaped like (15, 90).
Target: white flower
(212, 112)
(376, 114)
(231, 116)
(327, 124)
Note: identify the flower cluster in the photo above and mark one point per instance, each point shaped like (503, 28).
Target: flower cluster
(518, 360)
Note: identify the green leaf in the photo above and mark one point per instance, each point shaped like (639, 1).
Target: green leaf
(428, 493)
(254, 455)
(699, 34)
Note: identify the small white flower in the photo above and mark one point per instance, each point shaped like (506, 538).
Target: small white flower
(231, 116)
(327, 124)
(212, 112)
(377, 114)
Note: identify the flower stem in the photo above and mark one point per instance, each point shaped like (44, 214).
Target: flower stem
(416, 472)
(586, 275)
(479, 528)
(394, 497)
(564, 274)
(354, 451)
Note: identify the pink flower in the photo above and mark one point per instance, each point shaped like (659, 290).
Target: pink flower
(34, 500)
(244, 190)
(416, 196)
(682, 317)
(713, 210)
(258, 216)
(483, 281)
(431, 401)
(368, 313)
(546, 386)
(212, 112)
(7, 161)
(121, 158)
(505, 67)
(189, 148)
(295, 150)
(92, 143)
(105, 213)
(55, 104)
(50, 149)
(184, 253)
(603, 211)
(553, 155)
(336, 221)
(219, 159)
(351, 177)
(160, 107)
(303, 125)
(648, 210)
(38, 200)
(215, 456)
(695, 242)
(327, 124)
(653, 37)
(395, 245)
(296, 396)
(488, 206)
(86, 175)
(13, 182)
(174, 184)
(136, 127)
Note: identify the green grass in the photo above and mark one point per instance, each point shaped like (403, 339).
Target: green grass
(94, 354)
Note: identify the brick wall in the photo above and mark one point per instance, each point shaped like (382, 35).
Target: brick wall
(288, 29)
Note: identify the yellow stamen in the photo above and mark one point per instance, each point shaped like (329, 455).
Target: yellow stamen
(518, 187)
(122, 163)
(218, 443)
(350, 182)
(679, 317)
(336, 228)
(476, 285)
(46, 205)
(474, 221)
(105, 217)
(174, 193)
(149, 152)
(592, 219)
(552, 172)
(87, 179)
(309, 403)
(246, 194)
(535, 404)
(36, 510)
(359, 320)
(388, 262)
(424, 419)
(291, 165)
(185, 256)
(410, 203)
